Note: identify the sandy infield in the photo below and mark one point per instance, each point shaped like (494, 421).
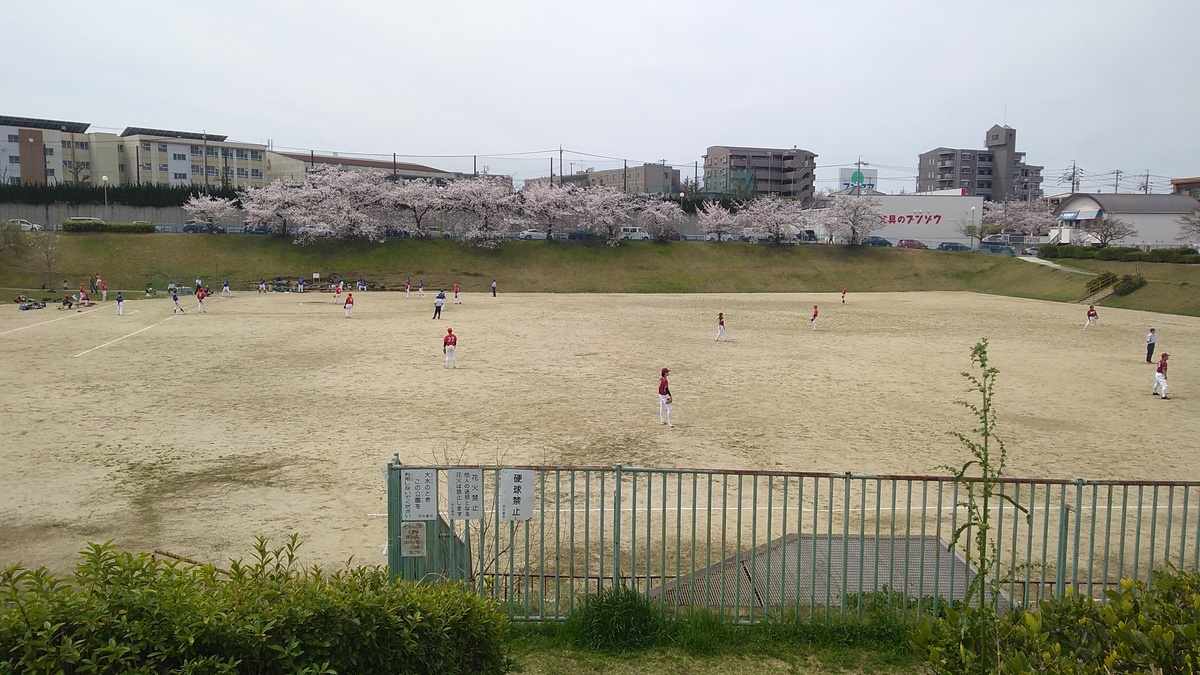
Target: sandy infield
(273, 413)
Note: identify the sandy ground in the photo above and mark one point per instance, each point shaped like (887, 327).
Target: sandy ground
(273, 413)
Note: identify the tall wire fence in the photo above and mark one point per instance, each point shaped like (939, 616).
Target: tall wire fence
(755, 544)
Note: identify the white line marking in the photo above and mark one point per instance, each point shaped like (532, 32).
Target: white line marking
(13, 330)
(123, 337)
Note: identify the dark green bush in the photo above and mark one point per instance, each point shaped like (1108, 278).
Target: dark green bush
(617, 619)
(1173, 255)
(145, 194)
(1049, 251)
(87, 226)
(125, 612)
(1190, 258)
(1129, 283)
(1136, 256)
(1114, 253)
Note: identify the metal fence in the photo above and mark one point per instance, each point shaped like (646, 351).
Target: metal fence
(753, 544)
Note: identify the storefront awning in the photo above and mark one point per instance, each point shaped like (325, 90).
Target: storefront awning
(1082, 214)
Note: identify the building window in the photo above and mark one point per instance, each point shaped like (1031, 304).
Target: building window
(226, 152)
(162, 147)
(14, 180)
(965, 183)
(13, 159)
(49, 173)
(256, 173)
(212, 152)
(13, 138)
(197, 151)
(181, 176)
(146, 166)
(212, 170)
(228, 171)
(66, 144)
(85, 165)
(242, 173)
(179, 156)
(120, 147)
(256, 155)
(81, 145)
(146, 147)
(966, 155)
(163, 168)
(242, 154)
(49, 152)
(66, 163)
(121, 168)
(197, 170)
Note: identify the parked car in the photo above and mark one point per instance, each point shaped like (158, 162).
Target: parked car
(1004, 238)
(580, 235)
(192, 227)
(910, 243)
(806, 236)
(1031, 250)
(165, 227)
(999, 249)
(532, 234)
(261, 228)
(634, 234)
(953, 246)
(876, 241)
(25, 225)
(725, 236)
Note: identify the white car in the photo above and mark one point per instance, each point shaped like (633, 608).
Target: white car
(532, 234)
(25, 225)
(634, 234)
(725, 236)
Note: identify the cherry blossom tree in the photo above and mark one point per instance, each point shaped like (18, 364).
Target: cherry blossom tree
(769, 218)
(852, 217)
(1189, 226)
(329, 202)
(419, 198)
(546, 205)
(1033, 218)
(487, 203)
(1108, 229)
(657, 216)
(608, 210)
(208, 210)
(274, 204)
(715, 219)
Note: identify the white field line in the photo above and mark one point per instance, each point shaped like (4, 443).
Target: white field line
(122, 337)
(700, 511)
(69, 316)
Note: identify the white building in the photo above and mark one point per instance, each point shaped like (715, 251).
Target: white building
(1155, 217)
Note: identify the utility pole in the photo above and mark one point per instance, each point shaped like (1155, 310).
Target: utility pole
(696, 177)
(625, 178)
(474, 165)
(1146, 183)
(560, 158)
(552, 174)
(858, 169)
(1117, 180)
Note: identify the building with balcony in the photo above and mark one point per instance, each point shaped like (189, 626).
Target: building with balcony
(739, 172)
(1186, 186)
(646, 179)
(997, 173)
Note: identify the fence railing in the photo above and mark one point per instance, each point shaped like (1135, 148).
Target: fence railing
(752, 544)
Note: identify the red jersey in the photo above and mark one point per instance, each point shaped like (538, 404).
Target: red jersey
(663, 388)
(450, 340)
(1092, 314)
(104, 286)
(1162, 367)
(200, 294)
(814, 312)
(456, 288)
(720, 321)
(349, 299)
(843, 289)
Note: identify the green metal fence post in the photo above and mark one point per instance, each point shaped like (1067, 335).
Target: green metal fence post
(1064, 521)
(616, 539)
(393, 516)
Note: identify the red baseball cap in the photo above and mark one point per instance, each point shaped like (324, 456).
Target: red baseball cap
(449, 330)
(665, 371)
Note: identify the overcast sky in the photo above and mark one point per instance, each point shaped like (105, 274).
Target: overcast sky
(1110, 85)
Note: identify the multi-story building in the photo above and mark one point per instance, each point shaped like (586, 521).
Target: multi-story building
(997, 173)
(647, 179)
(1186, 186)
(40, 151)
(750, 172)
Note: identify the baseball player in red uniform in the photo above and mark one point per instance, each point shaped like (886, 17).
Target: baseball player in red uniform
(814, 317)
(1092, 317)
(457, 300)
(1160, 377)
(664, 399)
(407, 286)
(448, 344)
(721, 327)
(349, 305)
(200, 295)
(843, 294)
(337, 293)
(103, 291)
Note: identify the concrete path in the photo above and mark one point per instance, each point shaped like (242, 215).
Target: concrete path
(1051, 263)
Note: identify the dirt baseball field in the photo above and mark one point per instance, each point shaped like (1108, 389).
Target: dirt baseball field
(273, 413)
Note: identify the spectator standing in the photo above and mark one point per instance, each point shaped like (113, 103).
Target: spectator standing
(1150, 341)
(493, 288)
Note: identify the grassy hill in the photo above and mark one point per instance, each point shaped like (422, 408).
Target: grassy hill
(133, 261)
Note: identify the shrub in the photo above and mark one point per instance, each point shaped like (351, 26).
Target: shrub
(615, 619)
(1173, 255)
(1136, 256)
(1048, 251)
(87, 226)
(126, 612)
(1129, 283)
(1114, 253)
(1190, 258)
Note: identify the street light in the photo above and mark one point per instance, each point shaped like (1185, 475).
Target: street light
(973, 224)
(105, 181)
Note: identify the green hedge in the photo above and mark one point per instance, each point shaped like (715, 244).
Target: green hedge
(146, 194)
(128, 613)
(85, 226)
(1129, 283)
(1185, 255)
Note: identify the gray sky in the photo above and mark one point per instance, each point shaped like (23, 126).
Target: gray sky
(1108, 84)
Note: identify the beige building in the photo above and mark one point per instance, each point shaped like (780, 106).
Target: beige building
(296, 164)
(40, 151)
(1186, 186)
(646, 179)
(998, 173)
(751, 172)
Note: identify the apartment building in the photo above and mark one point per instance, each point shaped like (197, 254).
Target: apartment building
(1186, 186)
(750, 172)
(646, 179)
(296, 164)
(995, 173)
(41, 151)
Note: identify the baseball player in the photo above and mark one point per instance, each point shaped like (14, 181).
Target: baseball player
(437, 305)
(175, 299)
(407, 286)
(225, 292)
(362, 284)
(664, 399)
(337, 293)
(1160, 377)
(721, 327)
(457, 300)
(103, 291)
(349, 305)
(493, 288)
(1092, 317)
(120, 304)
(843, 294)
(448, 344)
(200, 295)
(1150, 340)
(420, 288)
(814, 317)
(262, 284)
(199, 285)
(300, 285)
